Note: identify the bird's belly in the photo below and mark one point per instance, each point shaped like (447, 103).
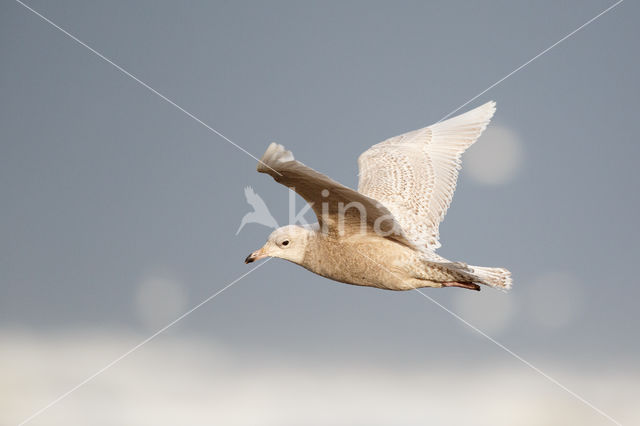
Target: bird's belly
(366, 265)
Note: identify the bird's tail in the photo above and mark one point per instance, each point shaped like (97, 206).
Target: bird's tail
(499, 278)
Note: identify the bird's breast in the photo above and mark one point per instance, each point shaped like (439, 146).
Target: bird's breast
(360, 261)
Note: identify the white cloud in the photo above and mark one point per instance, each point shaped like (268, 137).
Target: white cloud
(175, 380)
(495, 158)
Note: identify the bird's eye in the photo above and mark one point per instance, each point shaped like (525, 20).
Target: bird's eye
(285, 243)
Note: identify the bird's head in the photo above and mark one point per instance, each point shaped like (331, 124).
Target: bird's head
(288, 242)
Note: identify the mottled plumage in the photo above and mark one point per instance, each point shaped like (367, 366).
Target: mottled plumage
(385, 234)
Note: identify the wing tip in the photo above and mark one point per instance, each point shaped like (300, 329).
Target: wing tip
(274, 154)
(468, 125)
(483, 113)
(487, 110)
(490, 108)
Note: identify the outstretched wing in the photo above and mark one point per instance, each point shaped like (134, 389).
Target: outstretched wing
(414, 175)
(340, 210)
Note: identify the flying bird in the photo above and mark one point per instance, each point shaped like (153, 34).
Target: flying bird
(385, 234)
(260, 213)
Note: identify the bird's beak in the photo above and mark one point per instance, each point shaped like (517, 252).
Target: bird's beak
(256, 255)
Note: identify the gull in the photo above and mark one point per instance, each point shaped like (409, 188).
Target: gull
(385, 234)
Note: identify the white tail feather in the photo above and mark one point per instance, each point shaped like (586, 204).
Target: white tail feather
(499, 278)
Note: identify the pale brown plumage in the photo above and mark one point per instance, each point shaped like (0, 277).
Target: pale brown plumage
(385, 234)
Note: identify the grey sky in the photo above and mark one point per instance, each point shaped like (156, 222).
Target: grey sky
(102, 183)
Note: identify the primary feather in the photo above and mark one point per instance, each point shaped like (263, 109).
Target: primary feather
(414, 174)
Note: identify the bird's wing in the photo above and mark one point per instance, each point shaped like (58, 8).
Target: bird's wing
(340, 210)
(414, 175)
